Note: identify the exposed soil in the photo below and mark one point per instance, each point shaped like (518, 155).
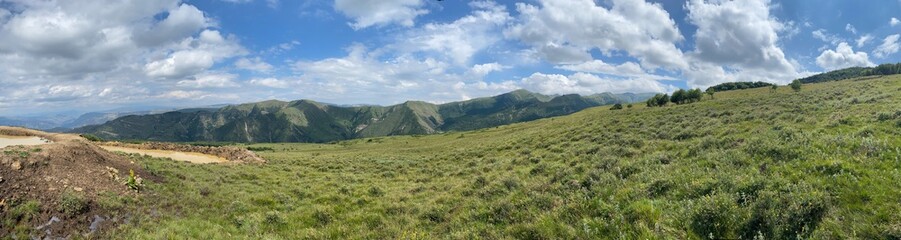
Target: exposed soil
(232, 154)
(43, 173)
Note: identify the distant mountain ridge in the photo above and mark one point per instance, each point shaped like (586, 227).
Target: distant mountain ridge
(310, 121)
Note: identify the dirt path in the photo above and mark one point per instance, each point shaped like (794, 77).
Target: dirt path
(174, 155)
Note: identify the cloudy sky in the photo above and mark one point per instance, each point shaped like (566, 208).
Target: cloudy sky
(98, 54)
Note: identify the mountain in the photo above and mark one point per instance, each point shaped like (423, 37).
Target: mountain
(310, 121)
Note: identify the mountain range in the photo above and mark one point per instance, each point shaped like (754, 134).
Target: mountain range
(311, 121)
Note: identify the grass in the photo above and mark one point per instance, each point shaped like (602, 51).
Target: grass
(749, 163)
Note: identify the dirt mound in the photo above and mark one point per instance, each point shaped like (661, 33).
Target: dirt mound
(232, 154)
(52, 190)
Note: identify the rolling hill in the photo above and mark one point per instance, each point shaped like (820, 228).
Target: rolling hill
(310, 121)
(821, 163)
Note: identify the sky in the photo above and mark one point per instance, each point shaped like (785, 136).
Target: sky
(89, 55)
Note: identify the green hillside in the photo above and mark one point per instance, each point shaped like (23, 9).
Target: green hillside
(309, 121)
(822, 163)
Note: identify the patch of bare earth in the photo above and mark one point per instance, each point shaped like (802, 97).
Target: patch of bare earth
(68, 166)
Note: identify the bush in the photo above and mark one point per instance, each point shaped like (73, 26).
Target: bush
(322, 217)
(262, 149)
(796, 85)
(92, 138)
(72, 203)
(616, 107)
(273, 218)
(713, 217)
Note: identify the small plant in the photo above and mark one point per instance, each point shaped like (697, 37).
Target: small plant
(134, 182)
(72, 203)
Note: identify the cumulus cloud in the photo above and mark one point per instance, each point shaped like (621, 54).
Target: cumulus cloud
(842, 57)
(210, 80)
(627, 69)
(564, 31)
(485, 69)
(270, 82)
(56, 55)
(740, 35)
(893, 22)
(366, 13)
(459, 40)
(889, 46)
(253, 64)
(195, 55)
(584, 83)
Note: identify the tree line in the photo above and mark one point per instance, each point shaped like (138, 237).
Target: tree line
(680, 96)
(854, 72)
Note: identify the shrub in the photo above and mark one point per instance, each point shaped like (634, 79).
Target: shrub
(92, 138)
(616, 107)
(376, 192)
(713, 217)
(322, 217)
(72, 203)
(273, 218)
(263, 149)
(796, 85)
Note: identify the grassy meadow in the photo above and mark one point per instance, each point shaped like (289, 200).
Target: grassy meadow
(821, 163)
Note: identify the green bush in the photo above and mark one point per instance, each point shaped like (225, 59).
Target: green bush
(616, 107)
(72, 203)
(92, 138)
(715, 217)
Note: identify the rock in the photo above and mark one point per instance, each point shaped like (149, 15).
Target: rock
(78, 189)
(96, 223)
(1, 179)
(17, 165)
(52, 220)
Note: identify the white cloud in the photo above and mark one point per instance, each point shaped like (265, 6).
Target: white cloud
(459, 40)
(195, 55)
(626, 69)
(60, 54)
(824, 36)
(584, 83)
(210, 80)
(842, 57)
(740, 36)
(270, 82)
(893, 22)
(850, 28)
(862, 40)
(889, 46)
(253, 64)
(563, 31)
(181, 22)
(484, 69)
(366, 13)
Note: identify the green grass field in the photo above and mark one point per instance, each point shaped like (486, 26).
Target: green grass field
(821, 163)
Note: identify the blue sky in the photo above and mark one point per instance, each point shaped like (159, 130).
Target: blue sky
(96, 55)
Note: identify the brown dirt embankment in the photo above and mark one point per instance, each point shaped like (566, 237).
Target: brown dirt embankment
(69, 165)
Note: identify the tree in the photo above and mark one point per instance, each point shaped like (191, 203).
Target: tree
(694, 95)
(796, 85)
(710, 92)
(663, 100)
(774, 87)
(678, 96)
(616, 107)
